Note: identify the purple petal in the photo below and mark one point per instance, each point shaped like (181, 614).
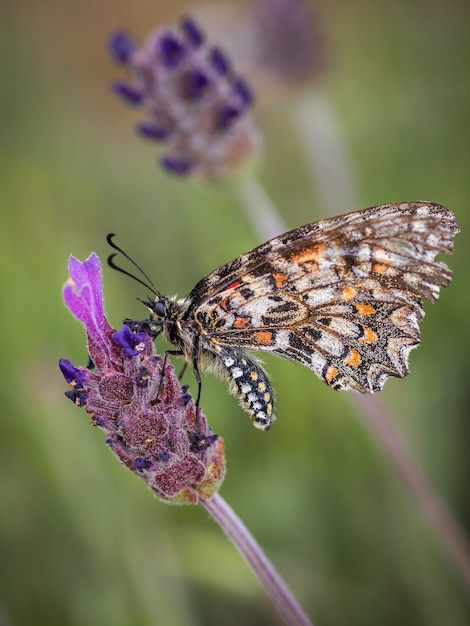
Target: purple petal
(193, 33)
(121, 45)
(141, 463)
(227, 116)
(78, 396)
(153, 130)
(72, 375)
(201, 441)
(176, 165)
(195, 84)
(83, 295)
(143, 378)
(132, 343)
(219, 61)
(244, 92)
(128, 93)
(171, 50)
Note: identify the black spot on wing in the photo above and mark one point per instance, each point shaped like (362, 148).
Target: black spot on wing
(312, 333)
(285, 307)
(246, 292)
(296, 342)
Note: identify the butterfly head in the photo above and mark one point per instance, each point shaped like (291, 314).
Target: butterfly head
(158, 308)
(165, 310)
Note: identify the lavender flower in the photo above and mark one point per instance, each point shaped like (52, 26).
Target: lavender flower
(193, 100)
(148, 419)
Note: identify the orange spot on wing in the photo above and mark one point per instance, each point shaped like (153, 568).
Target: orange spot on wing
(381, 255)
(223, 303)
(263, 337)
(309, 254)
(402, 315)
(279, 280)
(349, 293)
(379, 268)
(369, 335)
(353, 357)
(330, 373)
(241, 322)
(364, 309)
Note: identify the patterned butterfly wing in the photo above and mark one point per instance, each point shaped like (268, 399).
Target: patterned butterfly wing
(342, 296)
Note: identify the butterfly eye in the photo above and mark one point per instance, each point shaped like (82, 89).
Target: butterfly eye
(159, 309)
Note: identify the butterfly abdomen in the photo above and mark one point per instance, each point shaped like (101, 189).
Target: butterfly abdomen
(248, 381)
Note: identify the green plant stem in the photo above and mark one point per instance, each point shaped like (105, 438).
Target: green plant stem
(275, 587)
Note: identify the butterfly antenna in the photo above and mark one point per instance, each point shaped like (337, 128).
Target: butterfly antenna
(148, 285)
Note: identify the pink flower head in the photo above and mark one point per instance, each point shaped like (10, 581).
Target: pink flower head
(148, 418)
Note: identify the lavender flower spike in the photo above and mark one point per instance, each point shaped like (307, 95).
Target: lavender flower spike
(148, 419)
(192, 99)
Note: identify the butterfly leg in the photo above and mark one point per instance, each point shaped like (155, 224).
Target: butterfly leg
(166, 354)
(183, 369)
(197, 376)
(196, 373)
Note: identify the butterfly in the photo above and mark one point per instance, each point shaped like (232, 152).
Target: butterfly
(342, 296)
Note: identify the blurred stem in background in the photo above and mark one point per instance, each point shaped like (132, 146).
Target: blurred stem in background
(320, 137)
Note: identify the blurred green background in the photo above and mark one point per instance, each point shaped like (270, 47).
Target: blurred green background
(82, 541)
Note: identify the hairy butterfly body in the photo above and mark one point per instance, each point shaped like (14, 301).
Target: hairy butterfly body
(342, 296)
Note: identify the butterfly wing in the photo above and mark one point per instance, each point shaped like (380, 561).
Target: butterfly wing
(342, 296)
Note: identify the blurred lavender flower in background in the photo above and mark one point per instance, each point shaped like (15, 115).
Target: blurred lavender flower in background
(148, 418)
(290, 52)
(193, 100)
(288, 41)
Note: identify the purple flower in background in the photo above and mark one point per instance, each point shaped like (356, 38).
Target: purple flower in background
(289, 43)
(194, 103)
(148, 418)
